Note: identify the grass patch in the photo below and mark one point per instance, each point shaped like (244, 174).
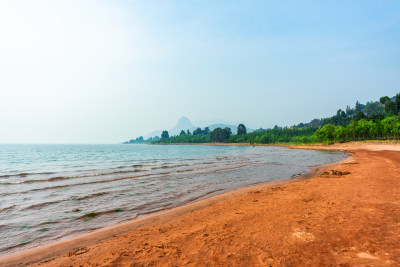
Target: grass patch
(119, 210)
(44, 230)
(24, 227)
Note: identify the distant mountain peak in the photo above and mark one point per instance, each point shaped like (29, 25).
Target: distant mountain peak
(184, 120)
(183, 124)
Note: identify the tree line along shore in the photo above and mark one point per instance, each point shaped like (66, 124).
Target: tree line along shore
(375, 120)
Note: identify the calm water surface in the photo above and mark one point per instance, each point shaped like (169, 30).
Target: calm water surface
(53, 192)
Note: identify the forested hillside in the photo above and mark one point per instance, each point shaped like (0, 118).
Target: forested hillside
(373, 120)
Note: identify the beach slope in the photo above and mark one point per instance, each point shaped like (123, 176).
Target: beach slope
(348, 216)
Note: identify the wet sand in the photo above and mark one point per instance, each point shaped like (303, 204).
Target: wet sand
(347, 217)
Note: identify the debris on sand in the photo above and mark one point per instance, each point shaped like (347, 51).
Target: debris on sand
(334, 172)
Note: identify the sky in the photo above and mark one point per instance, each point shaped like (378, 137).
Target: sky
(109, 71)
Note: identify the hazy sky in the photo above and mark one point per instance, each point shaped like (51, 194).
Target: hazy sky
(108, 71)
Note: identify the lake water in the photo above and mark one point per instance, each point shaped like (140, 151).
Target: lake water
(53, 192)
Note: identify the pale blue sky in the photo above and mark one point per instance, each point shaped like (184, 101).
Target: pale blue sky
(108, 71)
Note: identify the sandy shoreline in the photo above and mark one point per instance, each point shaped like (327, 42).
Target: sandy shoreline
(328, 220)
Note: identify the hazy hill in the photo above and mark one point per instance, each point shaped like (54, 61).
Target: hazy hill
(183, 124)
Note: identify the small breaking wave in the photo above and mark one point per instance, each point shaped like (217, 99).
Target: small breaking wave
(25, 174)
(59, 178)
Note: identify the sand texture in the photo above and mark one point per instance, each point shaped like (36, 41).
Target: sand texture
(347, 216)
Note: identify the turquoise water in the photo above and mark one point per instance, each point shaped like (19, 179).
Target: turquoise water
(53, 192)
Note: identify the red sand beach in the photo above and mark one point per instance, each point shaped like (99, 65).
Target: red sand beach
(346, 217)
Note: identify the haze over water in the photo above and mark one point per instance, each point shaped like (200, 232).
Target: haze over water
(52, 192)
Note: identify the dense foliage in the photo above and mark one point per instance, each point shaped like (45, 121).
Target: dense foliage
(141, 140)
(220, 135)
(186, 138)
(388, 128)
(374, 120)
(164, 135)
(277, 135)
(241, 129)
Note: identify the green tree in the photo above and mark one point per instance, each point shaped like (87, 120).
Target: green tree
(360, 115)
(241, 129)
(391, 106)
(182, 133)
(228, 131)
(164, 135)
(384, 99)
(351, 129)
(265, 139)
(197, 131)
(340, 133)
(377, 129)
(349, 111)
(326, 132)
(372, 109)
(389, 124)
(220, 135)
(370, 126)
(363, 128)
(358, 107)
(397, 101)
(396, 130)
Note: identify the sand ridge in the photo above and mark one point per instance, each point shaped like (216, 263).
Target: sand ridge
(343, 218)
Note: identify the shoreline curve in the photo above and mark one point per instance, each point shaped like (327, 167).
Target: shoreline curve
(58, 248)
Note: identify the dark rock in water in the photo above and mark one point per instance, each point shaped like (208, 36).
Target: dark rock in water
(76, 210)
